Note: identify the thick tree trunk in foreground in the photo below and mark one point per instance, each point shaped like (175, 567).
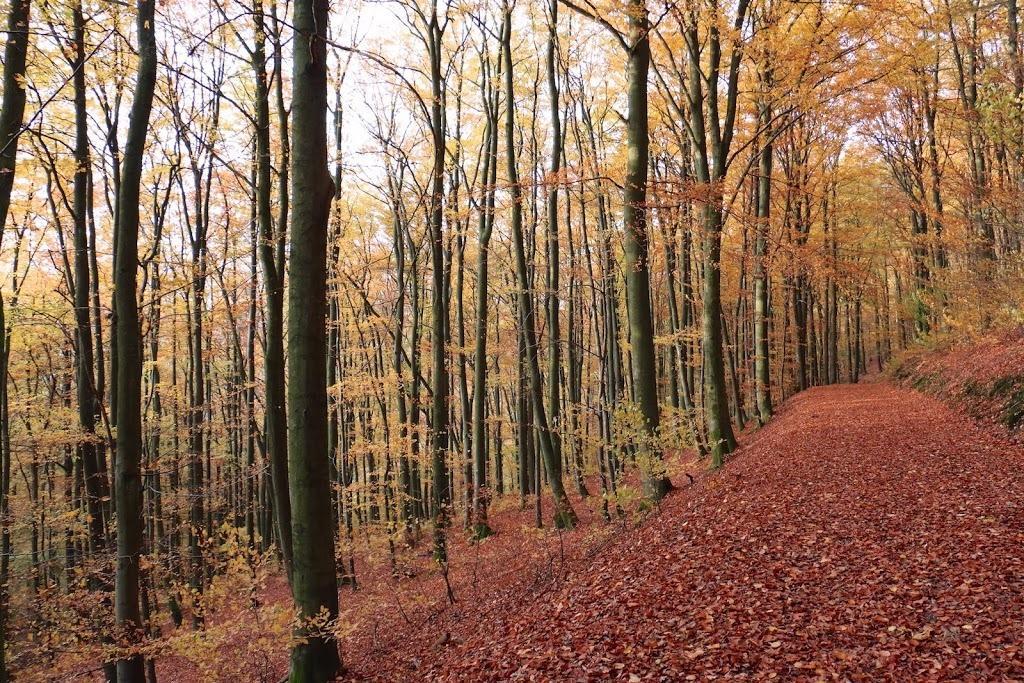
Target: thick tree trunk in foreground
(636, 247)
(315, 657)
(11, 115)
(128, 479)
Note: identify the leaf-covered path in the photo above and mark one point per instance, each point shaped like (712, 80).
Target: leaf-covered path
(868, 531)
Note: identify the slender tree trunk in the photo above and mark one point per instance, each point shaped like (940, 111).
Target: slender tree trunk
(762, 314)
(481, 529)
(565, 515)
(721, 440)
(88, 406)
(273, 278)
(250, 479)
(441, 503)
(553, 303)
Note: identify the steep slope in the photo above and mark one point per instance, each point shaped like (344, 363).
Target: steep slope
(984, 378)
(869, 531)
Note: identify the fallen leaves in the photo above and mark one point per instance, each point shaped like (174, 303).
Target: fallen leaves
(868, 532)
(857, 536)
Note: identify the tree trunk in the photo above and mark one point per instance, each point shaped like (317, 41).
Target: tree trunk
(565, 515)
(128, 479)
(11, 115)
(762, 314)
(481, 529)
(553, 304)
(635, 245)
(273, 355)
(315, 657)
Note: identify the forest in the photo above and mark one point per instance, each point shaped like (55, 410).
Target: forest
(340, 339)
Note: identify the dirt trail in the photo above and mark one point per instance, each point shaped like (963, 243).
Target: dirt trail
(868, 532)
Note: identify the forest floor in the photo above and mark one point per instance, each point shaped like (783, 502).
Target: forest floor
(868, 532)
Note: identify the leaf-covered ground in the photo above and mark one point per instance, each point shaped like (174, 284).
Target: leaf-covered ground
(869, 532)
(984, 378)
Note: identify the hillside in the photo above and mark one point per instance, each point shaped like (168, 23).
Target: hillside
(984, 378)
(868, 531)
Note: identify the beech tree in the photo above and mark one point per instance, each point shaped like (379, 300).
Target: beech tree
(12, 112)
(314, 581)
(127, 474)
(636, 44)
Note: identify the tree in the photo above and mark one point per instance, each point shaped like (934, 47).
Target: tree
(565, 515)
(271, 254)
(315, 655)
(553, 303)
(12, 112)
(762, 285)
(635, 42)
(128, 476)
(88, 406)
(434, 29)
(711, 133)
(481, 529)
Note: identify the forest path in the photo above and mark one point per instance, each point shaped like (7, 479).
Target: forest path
(867, 531)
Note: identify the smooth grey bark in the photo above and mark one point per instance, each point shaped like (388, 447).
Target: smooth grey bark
(481, 529)
(12, 113)
(711, 132)
(315, 657)
(635, 244)
(88, 405)
(931, 95)
(439, 422)
(967, 67)
(128, 479)
(574, 349)
(553, 301)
